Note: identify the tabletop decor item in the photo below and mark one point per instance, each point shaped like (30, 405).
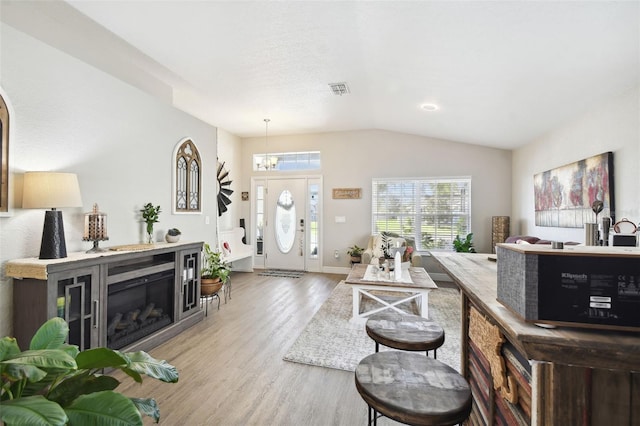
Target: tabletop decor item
(150, 216)
(95, 228)
(173, 235)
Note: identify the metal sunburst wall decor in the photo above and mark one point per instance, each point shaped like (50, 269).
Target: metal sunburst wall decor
(224, 188)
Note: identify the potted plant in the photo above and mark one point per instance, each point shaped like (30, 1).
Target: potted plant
(173, 235)
(53, 383)
(150, 216)
(464, 246)
(214, 273)
(356, 253)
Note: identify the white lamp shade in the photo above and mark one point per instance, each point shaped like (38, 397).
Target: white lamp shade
(50, 190)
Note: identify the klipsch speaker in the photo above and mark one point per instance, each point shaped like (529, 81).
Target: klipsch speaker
(594, 287)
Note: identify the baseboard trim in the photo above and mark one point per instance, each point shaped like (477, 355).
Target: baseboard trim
(336, 270)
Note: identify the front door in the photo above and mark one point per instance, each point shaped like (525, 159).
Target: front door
(284, 234)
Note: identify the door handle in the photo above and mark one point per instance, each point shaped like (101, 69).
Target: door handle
(96, 313)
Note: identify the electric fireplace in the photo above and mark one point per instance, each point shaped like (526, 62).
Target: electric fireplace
(139, 307)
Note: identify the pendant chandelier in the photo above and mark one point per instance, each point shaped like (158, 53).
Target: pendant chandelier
(267, 162)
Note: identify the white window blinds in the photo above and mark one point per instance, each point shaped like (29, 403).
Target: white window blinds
(430, 210)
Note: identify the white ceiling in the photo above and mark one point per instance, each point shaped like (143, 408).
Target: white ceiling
(503, 73)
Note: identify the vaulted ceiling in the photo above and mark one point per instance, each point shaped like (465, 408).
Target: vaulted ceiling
(501, 73)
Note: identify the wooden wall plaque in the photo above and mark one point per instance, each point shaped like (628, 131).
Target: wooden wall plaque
(347, 193)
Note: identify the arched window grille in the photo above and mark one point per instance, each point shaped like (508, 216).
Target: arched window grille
(188, 178)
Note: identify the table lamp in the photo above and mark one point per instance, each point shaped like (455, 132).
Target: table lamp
(51, 190)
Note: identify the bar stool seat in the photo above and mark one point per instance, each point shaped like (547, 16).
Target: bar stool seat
(412, 389)
(406, 332)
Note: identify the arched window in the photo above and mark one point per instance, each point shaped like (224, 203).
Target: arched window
(4, 156)
(188, 178)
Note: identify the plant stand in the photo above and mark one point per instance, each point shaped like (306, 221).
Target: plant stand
(206, 299)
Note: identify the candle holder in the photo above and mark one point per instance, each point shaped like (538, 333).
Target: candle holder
(95, 229)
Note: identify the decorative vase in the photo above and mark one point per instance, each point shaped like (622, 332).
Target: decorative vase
(210, 286)
(172, 238)
(149, 233)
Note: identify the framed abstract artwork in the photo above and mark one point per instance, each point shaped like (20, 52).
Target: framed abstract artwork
(564, 195)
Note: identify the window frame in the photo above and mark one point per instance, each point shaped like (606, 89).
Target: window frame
(412, 217)
(4, 156)
(187, 151)
(295, 161)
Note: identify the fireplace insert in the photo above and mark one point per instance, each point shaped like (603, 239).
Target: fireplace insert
(138, 307)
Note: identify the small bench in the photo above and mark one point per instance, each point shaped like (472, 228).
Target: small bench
(235, 252)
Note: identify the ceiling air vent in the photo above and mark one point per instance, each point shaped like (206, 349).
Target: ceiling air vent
(339, 88)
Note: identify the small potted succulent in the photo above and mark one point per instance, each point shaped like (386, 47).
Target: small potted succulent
(173, 235)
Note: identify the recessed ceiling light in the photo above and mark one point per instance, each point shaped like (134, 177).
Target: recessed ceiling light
(430, 107)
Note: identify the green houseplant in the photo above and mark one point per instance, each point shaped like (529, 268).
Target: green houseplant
(53, 383)
(150, 216)
(214, 273)
(356, 253)
(464, 246)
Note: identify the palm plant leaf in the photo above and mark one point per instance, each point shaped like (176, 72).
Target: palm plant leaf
(32, 410)
(51, 335)
(148, 407)
(103, 408)
(82, 384)
(144, 363)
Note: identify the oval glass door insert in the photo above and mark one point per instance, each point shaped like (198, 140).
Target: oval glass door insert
(285, 226)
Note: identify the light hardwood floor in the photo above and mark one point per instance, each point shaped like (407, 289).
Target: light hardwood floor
(231, 368)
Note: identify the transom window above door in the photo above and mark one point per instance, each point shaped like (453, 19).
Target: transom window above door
(286, 161)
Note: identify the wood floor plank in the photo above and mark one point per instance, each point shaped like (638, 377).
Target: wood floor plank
(231, 368)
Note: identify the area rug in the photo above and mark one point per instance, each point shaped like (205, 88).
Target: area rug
(283, 273)
(331, 340)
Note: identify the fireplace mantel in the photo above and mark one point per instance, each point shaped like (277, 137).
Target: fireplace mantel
(77, 289)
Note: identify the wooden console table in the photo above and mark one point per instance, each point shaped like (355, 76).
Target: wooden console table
(562, 376)
(78, 288)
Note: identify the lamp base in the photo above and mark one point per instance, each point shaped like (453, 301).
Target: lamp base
(53, 245)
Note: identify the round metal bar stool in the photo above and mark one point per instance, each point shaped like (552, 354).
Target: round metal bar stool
(412, 389)
(406, 332)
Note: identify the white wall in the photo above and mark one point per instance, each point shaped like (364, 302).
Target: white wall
(69, 116)
(610, 126)
(352, 159)
(230, 151)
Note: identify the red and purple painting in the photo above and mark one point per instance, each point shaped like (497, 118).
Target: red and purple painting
(563, 196)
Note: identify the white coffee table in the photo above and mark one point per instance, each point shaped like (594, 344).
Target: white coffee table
(419, 287)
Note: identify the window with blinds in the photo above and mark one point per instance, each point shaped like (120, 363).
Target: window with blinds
(431, 211)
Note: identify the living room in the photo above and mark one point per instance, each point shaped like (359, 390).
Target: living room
(85, 116)
(113, 124)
